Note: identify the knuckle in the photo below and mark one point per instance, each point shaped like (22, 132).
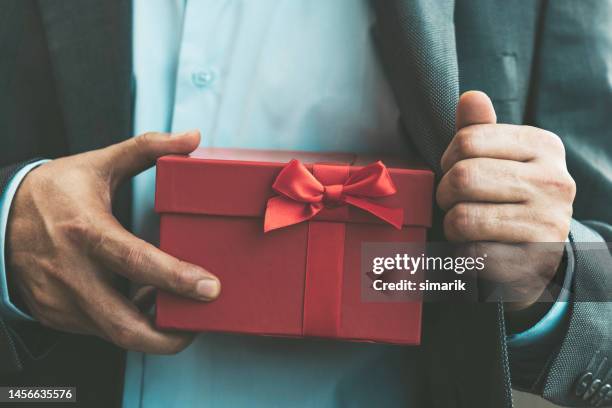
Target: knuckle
(561, 184)
(42, 302)
(143, 142)
(466, 142)
(124, 335)
(180, 278)
(45, 302)
(551, 181)
(460, 176)
(526, 135)
(144, 139)
(51, 271)
(563, 227)
(80, 230)
(458, 220)
(556, 232)
(136, 259)
(569, 187)
(546, 220)
(555, 226)
(552, 141)
(76, 229)
(441, 196)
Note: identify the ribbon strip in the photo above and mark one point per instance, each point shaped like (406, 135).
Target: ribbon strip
(324, 265)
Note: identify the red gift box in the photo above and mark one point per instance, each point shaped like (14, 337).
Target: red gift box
(283, 231)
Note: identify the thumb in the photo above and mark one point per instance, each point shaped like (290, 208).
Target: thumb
(474, 108)
(128, 158)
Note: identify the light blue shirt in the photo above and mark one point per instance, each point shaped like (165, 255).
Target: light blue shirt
(267, 74)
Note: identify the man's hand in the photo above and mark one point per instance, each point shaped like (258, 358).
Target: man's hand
(65, 249)
(506, 184)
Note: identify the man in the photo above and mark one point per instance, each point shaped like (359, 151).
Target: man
(67, 69)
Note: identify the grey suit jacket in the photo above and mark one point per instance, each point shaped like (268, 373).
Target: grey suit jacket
(546, 64)
(65, 81)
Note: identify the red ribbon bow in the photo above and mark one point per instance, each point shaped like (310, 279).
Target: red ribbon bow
(302, 196)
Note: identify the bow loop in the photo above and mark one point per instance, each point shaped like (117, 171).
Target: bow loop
(302, 196)
(297, 183)
(372, 180)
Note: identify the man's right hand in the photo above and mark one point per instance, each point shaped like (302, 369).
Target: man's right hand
(65, 249)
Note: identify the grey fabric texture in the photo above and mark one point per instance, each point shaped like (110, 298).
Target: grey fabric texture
(9, 354)
(573, 98)
(589, 333)
(417, 39)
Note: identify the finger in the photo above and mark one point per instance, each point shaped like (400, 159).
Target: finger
(142, 262)
(474, 108)
(128, 158)
(470, 222)
(484, 180)
(508, 142)
(120, 322)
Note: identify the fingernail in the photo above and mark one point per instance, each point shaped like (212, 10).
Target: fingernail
(208, 288)
(188, 132)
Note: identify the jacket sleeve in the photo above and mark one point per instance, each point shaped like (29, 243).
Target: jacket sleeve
(15, 335)
(572, 96)
(580, 373)
(8, 308)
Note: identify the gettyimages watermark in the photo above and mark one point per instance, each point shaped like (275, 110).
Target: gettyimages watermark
(478, 272)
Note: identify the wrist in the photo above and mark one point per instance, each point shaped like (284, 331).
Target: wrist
(519, 319)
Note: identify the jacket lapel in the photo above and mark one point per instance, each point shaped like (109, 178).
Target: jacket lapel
(417, 43)
(465, 343)
(90, 49)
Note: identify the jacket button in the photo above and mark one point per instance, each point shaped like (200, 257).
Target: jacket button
(600, 395)
(592, 389)
(583, 383)
(608, 397)
(599, 398)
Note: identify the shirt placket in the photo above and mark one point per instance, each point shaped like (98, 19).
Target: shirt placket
(200, 70)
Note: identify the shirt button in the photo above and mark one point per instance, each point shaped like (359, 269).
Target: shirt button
(202, 79)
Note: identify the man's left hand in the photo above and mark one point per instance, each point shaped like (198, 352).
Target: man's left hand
(506, 184)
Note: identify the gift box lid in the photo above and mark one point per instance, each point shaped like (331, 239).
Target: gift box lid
(238, 182)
